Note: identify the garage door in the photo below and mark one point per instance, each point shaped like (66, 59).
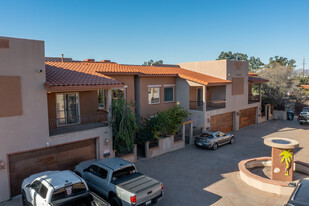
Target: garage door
(222, 122)
(247, 117)
(60, 157)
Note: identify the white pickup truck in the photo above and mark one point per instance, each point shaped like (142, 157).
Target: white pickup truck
(118, 181)
(58, 188)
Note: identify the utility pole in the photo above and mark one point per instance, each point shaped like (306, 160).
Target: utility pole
(304, 67)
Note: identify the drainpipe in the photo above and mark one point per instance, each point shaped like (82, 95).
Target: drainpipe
(204, 108)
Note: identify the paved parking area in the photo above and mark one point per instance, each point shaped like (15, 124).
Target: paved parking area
(202, 177)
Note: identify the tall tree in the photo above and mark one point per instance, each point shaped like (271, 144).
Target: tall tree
(281, 61)
(151, 62)
(254, 63)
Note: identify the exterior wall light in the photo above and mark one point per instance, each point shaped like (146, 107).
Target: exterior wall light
(106, 141)
(2, 165)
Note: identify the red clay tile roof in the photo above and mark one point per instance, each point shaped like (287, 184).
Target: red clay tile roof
(305, 86)
(66, 76)
(103, 69)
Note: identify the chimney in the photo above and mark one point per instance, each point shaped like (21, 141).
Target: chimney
(61, 57)
(89, 60)
(105, 61)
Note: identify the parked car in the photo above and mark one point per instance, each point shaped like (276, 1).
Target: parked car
(212, 140)
(300, 195)
(118, 181)
(58, 188)
(304, 115)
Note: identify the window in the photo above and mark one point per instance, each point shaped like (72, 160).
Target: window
(97, 171)
(61, 193)
(154, 95)
(199, 97)
(36, 185)
(169, 94)
(101, 99)
(121, 173)
(43, 191)
(67, 108)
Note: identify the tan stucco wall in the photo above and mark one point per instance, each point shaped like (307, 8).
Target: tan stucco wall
(30, 130)
(225, 69)
(128, 80)
(150, 109)
(212, 68)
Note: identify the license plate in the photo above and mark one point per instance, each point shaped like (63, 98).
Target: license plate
(200, 144)
(148, 202)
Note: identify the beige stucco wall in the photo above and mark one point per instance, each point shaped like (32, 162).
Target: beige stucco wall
(213, 68)
(146, 109)
(128, 80)
(30, 130)
(225, 69)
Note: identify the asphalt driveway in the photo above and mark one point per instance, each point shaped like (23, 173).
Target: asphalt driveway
(202, 177)
(199, 177)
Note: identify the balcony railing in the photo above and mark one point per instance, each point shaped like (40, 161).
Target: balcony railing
(77, 123)
(210, 105)
(196, 105)
(253, 99)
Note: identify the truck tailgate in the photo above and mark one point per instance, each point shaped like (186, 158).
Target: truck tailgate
(145, 188)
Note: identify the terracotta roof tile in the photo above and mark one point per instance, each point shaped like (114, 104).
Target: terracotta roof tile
(95, 72)
(67, 74)
(305, 86)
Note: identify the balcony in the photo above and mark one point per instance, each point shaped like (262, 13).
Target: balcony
(77, 123)
(210, 105)
(253, 99)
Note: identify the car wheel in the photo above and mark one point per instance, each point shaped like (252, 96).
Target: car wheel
(215, 146)
(232, 140)
(115, 202)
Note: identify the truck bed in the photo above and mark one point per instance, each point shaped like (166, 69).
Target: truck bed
(145, 188)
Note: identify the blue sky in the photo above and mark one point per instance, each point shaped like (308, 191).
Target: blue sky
(133, 31)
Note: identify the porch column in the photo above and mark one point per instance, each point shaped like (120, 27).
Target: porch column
(109, 103)
(204, 108)
(260, 92)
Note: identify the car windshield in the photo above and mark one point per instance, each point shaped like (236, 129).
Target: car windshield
(208, 135)
(69, 190)
(302, 194)
(124, 172)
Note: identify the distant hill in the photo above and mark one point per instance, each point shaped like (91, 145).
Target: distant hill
(300, 71)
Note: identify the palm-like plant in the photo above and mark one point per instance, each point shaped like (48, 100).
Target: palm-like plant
(286, 156)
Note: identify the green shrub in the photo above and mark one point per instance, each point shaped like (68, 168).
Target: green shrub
(123, 124)
(162, 124)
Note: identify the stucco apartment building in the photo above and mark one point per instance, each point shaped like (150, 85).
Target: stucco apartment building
(224, 107)
(50, 119)
(54, 112)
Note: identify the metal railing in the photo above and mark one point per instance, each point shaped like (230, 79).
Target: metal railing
(253, 98)
(196, 105)
(216, 104)
(77, 123)
(210, 105)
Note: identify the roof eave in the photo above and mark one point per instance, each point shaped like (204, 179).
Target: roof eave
(80, 88)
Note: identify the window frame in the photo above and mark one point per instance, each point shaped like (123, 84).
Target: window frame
(173, 87)
(154, 87)
(104, 101)
(78, 108)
